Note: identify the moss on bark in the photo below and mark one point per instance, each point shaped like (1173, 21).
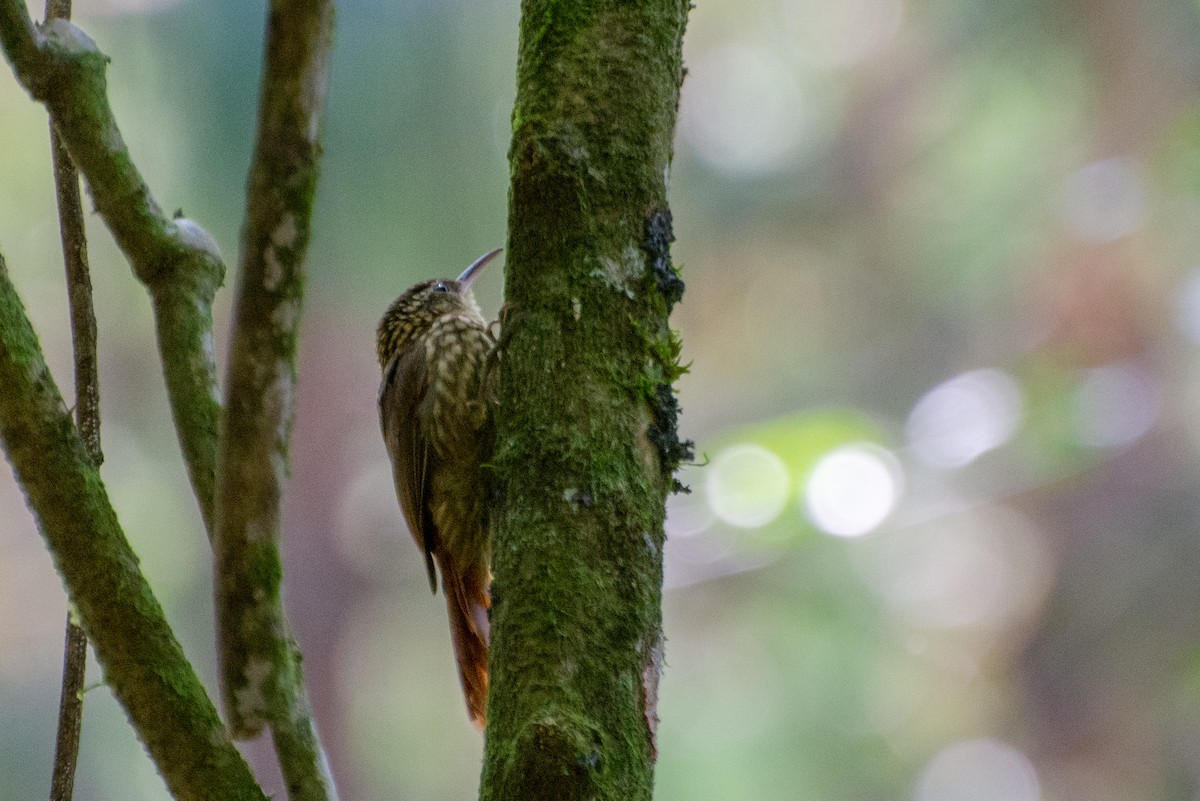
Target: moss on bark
(141, 658)
(586, 441)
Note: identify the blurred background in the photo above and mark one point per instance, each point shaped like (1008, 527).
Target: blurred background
(943, 313)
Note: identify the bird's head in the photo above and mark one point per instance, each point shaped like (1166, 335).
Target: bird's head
(413, 313)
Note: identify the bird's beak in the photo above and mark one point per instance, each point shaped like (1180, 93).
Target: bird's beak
(471, 273)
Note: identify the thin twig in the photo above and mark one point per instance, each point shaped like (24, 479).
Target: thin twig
(79, 297)
(87, 419)
(70, 713)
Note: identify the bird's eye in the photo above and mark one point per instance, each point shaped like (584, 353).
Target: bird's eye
(440, 286)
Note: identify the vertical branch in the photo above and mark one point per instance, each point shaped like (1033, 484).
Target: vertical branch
(87, 419)
(70, 712)
(586, 441)
(260, 669)
(79, 281)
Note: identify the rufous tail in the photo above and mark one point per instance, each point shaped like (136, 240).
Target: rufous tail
(467, 603)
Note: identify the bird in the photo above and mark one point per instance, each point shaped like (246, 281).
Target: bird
(435, 410)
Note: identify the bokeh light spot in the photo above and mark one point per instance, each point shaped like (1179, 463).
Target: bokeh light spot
(744, 112)
(979, 770)
(852, 490)
(1114, 406)
(747, 486)
(959, 420)
(1104, 201)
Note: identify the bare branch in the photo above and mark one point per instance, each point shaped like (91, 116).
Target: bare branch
(70, 712)
(87, 419)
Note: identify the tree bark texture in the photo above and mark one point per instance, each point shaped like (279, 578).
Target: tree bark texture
(586, 427)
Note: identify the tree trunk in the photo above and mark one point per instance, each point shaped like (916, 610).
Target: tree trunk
(586, 441)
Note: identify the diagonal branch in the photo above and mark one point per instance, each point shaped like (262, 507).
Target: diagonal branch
(176, 259)
(260, 667)
(142, 661)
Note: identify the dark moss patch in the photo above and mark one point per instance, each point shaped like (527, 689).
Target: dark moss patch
(664, 435)
(656, 243)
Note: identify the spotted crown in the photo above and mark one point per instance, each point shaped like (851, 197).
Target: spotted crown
(413, 314)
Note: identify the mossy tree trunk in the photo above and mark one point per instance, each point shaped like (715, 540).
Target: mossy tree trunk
(586, 442)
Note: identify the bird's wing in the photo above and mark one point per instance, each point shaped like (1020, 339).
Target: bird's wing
(400, 396)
